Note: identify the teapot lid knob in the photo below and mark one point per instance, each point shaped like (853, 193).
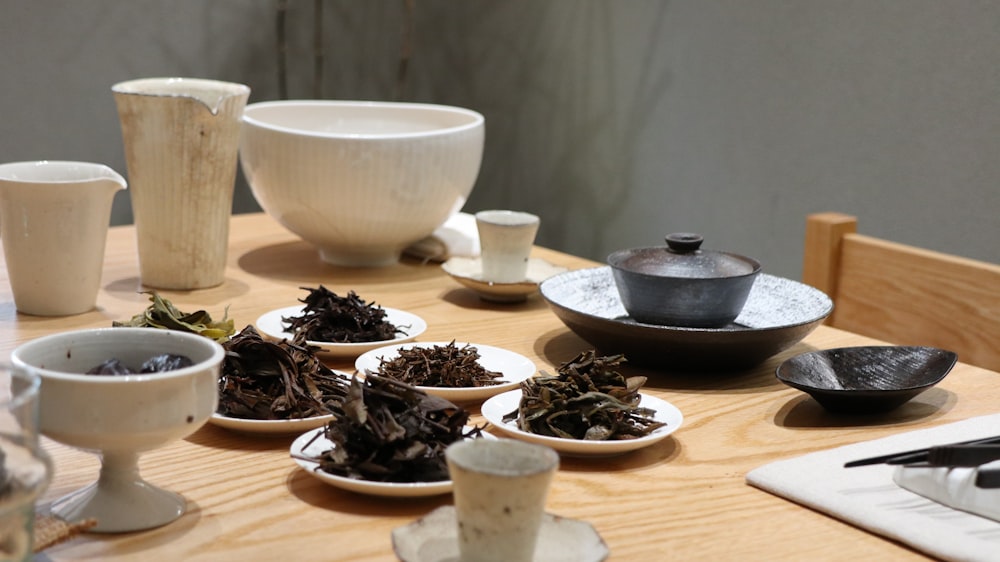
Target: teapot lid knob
(684, 242)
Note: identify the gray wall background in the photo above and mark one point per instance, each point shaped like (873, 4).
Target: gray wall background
(617, 122)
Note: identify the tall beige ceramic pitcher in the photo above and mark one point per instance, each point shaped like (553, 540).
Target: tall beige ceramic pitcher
(181, 138)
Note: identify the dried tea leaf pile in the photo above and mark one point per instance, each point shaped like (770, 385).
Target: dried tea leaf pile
(163, 314)
(328, 317)
(387, 431)
(442, 366)
(155, 364)
(588, 399)
(264, 380)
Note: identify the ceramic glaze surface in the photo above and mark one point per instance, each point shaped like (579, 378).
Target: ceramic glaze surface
(119, 417)
(500, 487)
(54, 222)
(433, 538)
(778, 313)
(181, 138)
(361, 181)
(506, 238)
(867, 379)
(682, 285)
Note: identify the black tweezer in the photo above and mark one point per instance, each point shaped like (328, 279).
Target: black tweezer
(917, 455)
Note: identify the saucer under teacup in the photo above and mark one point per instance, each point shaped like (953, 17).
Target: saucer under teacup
(469, 272)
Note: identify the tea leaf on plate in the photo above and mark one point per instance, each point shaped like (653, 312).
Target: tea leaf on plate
(328, 317)
(587, 399)
(442, 366)
(388, 431)
(264, 380)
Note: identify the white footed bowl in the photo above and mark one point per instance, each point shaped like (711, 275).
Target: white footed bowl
(118, 417)
(360, 180)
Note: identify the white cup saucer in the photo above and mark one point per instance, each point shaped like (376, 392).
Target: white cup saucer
(434, 538)
(469, 272)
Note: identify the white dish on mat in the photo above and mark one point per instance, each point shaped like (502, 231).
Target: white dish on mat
(294, 425)
(434, 538)
(313, 444)
(514, 366)
(270, 324)
(498, 406)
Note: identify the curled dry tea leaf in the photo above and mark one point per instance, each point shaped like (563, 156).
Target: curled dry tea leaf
(388, 431)
(328, 317)
(163, 314)
(155, 364)
(442, 366)
(588, 399)
(264, 380)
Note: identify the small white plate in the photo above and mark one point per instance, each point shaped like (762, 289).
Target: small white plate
(270, 324)
(497, 407)
(469, 272)
(514, 367)
(302, 447)
(434, 538)
(295, 425)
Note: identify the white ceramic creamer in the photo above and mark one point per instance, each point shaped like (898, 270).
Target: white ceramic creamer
(54, 219)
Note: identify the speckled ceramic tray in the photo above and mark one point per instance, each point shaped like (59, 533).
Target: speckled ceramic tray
(778, 314)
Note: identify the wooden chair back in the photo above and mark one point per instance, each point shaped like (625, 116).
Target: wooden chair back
(903, 294)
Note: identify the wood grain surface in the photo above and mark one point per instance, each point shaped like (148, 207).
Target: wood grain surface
(682, 499)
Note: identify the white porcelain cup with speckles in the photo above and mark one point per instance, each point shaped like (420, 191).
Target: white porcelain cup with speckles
(499, 487)
(181, 138)
(505, 240)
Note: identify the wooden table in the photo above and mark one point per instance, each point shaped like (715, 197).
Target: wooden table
(682, 499)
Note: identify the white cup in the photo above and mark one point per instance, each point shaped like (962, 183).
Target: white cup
(500, 486)
(54, 224)
(506, 238)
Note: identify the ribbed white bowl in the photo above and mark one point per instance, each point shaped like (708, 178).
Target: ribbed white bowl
(360, 180)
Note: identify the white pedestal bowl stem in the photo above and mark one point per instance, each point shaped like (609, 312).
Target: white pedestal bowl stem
(120, 500)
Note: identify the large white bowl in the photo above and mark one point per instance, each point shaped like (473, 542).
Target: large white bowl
(118, 417)
(360, 180)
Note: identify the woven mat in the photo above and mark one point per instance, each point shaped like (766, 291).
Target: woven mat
(50, 531)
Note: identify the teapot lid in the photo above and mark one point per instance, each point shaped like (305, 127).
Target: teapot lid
(683, 257)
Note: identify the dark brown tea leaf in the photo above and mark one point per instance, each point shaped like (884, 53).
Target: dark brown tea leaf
(442, 366)
(328, 317)
(155, 364)
(388, 431)
(264, 380)
(587, 399)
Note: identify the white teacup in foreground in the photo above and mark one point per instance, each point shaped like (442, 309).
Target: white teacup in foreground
(54, 223)
(500, 488)
(505, 238)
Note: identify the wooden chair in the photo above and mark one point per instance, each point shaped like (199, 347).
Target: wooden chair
(903, 294)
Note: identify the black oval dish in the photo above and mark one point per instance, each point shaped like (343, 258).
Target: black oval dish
(866, 379)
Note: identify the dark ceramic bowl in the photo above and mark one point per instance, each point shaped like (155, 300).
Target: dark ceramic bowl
(682, 285)
(778, 313)
(868, 379)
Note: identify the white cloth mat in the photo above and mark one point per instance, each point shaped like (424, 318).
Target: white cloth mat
(868, 497)
(458, 236)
